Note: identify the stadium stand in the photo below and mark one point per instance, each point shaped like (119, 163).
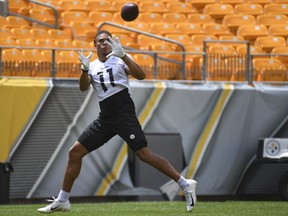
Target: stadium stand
(163, 28)
(181, 7)
(252, 31)
(199, 18)
(189, 28)
(261, 22)
(155, 7)
(148, 17)
(267, 43)
(279, 30)
(174, 18)
(17, 22)
(249, 8)
(218, 11)
(233, 21)
(276, 8)
(270, 19)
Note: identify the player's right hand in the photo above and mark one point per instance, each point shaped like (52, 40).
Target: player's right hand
(85, 60)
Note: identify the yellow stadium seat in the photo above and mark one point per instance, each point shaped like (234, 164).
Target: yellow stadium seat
(280, 1)
(269, 69)
(19, 6)
(174, 18)
(231, 2)
(6, 33)
(118, 19)
(26, 42)
(8, 42)
(39, 33)
(117, 5)
(164, 49)
(17, 22)
(194, 54)
(223, 49)
(261, 2)
(233, 21)
(279, 30)
(199, 18)
(251, 32)
(73, 5)
(68, 64)
(147, 41)
(12, 62)
(238, 40)
(254, 50)
(216, 29)
(162, 28)
(282, 51)
(44, 43)
(249, 8)
(56, 34)
(141, 26)
(149, 17)
(218, 11)
(63, 43)
(189, 28)
(81, 44)
(181, 7)
(97, 17)
(3, 21)
(33, 61)
(267, 43)
(21, 33)
(217, 69)
(270, 19)
(156, 7)
(70, 16)
(43, 15)
(128, 41)
(199, 39)
(100, 5)
(200, 4)
(182, 38)
(147, 63)
(276, 8)
(80, 30)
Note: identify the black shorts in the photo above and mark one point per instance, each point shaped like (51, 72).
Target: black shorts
(117, 117)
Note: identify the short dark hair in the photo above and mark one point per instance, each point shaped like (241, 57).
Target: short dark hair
(99, 33)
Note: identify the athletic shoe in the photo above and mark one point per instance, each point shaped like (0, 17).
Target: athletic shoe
(190, 194)
(55, 206)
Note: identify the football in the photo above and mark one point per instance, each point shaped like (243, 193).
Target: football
(129, 11)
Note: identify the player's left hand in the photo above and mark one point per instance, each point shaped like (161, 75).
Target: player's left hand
(117, 49)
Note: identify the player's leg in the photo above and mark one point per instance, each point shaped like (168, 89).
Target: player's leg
(73, 167)
(162, 164)
(95, 135)
(134, 136)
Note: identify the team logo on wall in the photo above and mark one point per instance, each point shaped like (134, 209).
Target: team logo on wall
(272, 147)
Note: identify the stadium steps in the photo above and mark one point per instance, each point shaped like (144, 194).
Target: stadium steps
(41, 140)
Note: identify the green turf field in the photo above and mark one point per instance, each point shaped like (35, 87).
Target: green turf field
(164, 208)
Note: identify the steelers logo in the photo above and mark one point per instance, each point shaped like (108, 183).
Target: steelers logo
(132, 136)
(272, 148)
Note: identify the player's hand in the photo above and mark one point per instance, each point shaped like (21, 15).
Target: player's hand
(117, 49)
(85, 60)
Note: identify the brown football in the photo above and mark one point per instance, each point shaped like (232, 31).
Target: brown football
(129, 11)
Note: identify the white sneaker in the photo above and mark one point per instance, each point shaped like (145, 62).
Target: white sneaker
(190, 194)
(55, 206)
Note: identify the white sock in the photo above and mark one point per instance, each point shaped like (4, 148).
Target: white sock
(182, 182)
(63, 196)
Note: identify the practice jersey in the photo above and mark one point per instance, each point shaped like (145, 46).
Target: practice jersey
(108, 77)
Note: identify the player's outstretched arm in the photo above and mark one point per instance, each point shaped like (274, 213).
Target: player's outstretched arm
(134, 69)
(84, 81)
(117, 50)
